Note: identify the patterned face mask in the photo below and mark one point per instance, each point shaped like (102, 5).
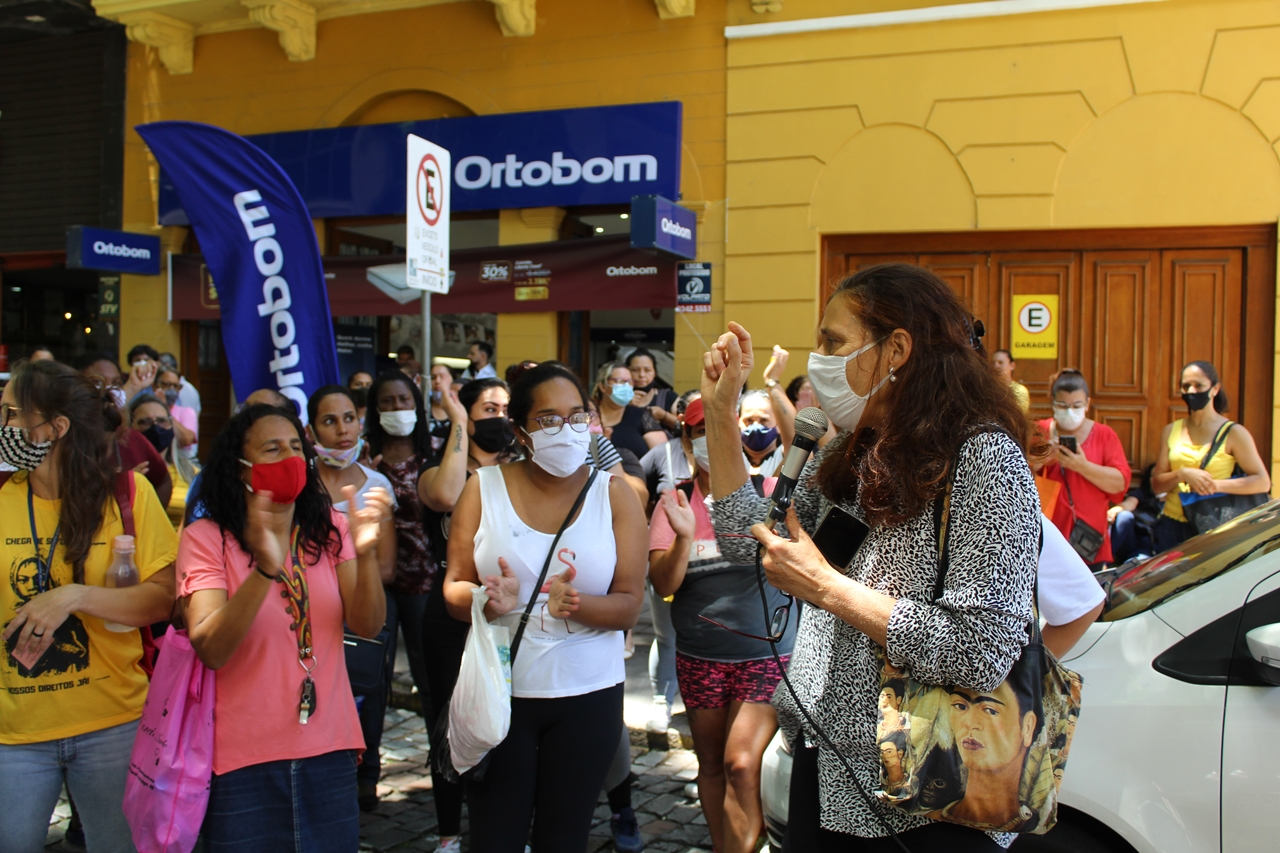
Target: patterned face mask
(16, 451)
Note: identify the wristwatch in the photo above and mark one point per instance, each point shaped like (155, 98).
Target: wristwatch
(771, 383)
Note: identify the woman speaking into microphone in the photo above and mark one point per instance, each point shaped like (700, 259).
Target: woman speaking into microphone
(898, 370)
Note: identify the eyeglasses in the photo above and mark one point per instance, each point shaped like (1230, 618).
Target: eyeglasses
(612, 380)
(168, 386)
(552, 424)
(146, 423)
(1069, 407)
(7, 412)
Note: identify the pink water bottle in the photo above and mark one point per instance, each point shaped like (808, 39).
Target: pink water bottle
(121, 573)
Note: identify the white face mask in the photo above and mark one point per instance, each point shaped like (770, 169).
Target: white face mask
(1068, 419)
(829, 377)
(399, 423)
(700, 454)
(560, 454)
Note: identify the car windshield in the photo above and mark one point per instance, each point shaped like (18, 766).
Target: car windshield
(1135, 589)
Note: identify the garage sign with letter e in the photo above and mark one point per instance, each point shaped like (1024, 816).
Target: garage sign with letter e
(1035, 326)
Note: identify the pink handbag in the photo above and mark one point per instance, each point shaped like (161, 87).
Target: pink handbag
(167, 791)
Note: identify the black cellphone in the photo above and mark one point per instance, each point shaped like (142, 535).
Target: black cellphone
(839, 536)
(1069, 442)
(687, 488)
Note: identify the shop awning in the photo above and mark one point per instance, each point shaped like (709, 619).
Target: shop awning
(572, 275)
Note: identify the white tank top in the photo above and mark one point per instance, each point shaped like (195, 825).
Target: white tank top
(556, 657)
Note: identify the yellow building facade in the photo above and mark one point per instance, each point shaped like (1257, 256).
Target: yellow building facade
(810, 121)
(377, 62)
(1105, 116)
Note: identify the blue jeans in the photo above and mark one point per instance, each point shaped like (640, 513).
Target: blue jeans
(662, 654)
(94, 767)
(304, 805)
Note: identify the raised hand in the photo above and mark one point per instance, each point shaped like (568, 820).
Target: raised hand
(364, 521)
(263, 544)
(726, 367)
(563, 600)
(679, 513)
(777, 364)
(453, 406)
(503, 590)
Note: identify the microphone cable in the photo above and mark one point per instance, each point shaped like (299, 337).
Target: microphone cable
(773, 647)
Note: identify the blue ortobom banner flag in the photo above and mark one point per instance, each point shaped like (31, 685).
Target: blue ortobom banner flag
(256, 236)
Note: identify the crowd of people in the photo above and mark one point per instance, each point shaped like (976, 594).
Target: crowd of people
(401, 494)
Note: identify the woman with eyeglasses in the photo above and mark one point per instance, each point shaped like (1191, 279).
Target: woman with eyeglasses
(149, 416)
(924, 423)
(268, 580)
(567, 677)
(1090, 464)
(72, 685)
(726, 670)
(186, 421)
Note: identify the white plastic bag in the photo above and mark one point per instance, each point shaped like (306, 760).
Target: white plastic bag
(480, 710)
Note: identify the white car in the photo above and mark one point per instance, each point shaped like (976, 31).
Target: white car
(1178, 745)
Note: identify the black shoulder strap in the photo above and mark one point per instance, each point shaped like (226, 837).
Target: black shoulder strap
(1217, 443)
(542, 578)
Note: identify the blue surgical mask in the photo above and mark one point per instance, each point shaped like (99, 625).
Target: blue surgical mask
(757, 437)
(622, 394)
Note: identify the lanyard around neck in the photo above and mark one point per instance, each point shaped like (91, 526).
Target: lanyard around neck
(44, 568)
(297, 592)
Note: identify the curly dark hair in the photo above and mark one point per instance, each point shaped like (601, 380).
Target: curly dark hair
(86, 464)
(522, 394)
(373, 431)
(945, 391)
(223, 493)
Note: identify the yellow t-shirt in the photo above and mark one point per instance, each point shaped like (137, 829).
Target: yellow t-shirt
(90, 678)
(178, 501)
(1184, 454)
(1024, 396)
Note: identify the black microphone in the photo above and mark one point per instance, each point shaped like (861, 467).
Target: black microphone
(811, 425)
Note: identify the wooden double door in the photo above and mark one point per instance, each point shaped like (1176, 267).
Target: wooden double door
(1135, 306)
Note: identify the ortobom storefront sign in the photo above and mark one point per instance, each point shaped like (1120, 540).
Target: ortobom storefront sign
(115, 251)
(552, 158)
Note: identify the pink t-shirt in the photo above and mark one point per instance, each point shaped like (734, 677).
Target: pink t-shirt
(256, 710)
(187, 417)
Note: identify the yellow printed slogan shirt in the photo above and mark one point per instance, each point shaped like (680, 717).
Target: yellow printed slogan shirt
(90, 678)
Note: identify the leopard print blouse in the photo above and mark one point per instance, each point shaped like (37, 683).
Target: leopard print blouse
(972, 636)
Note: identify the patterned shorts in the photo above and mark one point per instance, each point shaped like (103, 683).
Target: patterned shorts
(709, 684)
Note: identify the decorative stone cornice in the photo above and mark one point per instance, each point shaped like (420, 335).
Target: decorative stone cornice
(517, 17)
(174, 40)
(293, 20)
(675, 8)
(762, 6)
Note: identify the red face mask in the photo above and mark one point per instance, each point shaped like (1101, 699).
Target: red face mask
(285, 479)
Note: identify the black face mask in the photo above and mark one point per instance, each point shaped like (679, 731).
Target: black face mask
(359, 396)
(161, 439)
(1196, 400)
(493, 435)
